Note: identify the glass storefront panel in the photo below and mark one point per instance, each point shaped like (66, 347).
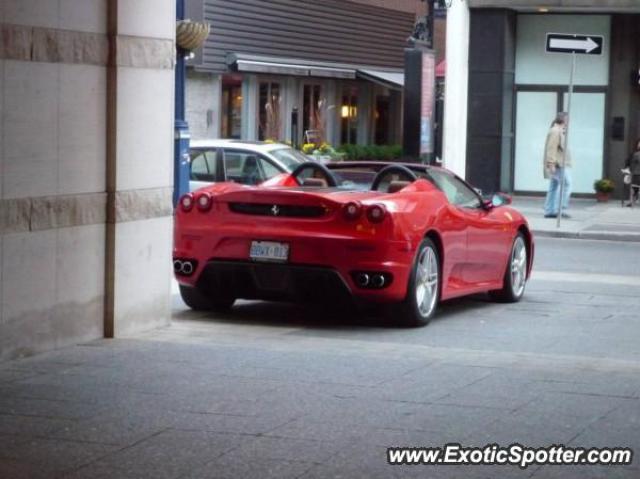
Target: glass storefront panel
(586, 139)
(542, 82)
(231, 125)
(349, 116)
(269, 111)
(536, 111)
(313, 114)
(382, 115)
(536, 67)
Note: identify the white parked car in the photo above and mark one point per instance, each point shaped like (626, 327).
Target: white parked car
(246, 162)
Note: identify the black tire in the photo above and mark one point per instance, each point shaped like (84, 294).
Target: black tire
(411, 312)
(199, 302)
(512, 292)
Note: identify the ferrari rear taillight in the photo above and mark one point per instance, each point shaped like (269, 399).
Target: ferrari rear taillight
(352, 211)
(376, 213)
(186, 202)
(204, 202)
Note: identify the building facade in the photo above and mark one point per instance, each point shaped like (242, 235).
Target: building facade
(513, 88)
(299, 70)
(86, 147)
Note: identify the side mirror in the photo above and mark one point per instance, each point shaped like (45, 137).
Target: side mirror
(500, 199)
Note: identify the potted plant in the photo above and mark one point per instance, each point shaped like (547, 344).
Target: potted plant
(308, 148)
(603, 188)
(325, 153)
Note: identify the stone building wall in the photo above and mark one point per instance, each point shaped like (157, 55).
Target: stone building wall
(86, 108)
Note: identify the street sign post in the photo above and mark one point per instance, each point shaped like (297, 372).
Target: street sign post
(579, 44)
(575, 45)
(566, 138)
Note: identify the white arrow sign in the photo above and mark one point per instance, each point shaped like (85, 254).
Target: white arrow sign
(570, 43)
(587, 45)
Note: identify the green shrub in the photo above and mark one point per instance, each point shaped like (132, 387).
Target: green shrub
(605, 185)
(371, 152)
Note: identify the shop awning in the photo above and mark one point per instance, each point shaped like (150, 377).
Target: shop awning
(388, 78)
(290, 66)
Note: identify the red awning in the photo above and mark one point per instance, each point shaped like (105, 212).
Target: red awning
(441, 69)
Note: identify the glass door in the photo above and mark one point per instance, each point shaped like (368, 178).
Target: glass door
(314, 111)
(586, 139)
(231, 107)
(349, 116)
(269, 111)
(535, 112)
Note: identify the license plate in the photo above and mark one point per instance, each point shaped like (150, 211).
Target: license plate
(269, 251)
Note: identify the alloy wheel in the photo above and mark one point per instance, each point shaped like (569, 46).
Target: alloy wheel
(518, 267)
(427, 281)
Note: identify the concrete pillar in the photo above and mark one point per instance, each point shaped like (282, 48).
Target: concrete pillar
(86, 128)
(456, 88)
(140, 92)
(333, 125)
(249, 119)
(364, 113)
(289, 102)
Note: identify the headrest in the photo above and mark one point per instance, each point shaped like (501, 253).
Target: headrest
(318, 182)
(396, 186)
(250, 163)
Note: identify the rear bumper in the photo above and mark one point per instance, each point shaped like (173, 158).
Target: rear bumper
(319, 267)
(274, 282)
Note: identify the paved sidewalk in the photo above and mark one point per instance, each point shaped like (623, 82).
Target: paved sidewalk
(589, 220)
(253, 395)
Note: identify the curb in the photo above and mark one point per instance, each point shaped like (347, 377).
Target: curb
(589, 235)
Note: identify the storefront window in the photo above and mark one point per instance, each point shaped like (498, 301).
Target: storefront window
(313, 114)
(381, 117)
(231, 107)
(349, 116)
(269, 112)
(536, 111)
(586, 138)
(542, 85)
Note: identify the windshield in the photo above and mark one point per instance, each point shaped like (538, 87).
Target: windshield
(289, 157)
(354, 178)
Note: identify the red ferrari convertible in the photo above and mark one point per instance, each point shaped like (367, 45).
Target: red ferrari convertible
(407, 235)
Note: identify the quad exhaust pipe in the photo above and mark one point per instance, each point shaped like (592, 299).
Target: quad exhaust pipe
(377, 281)
(187, 267)
(362, 279)
(371, 280)
(184, 267)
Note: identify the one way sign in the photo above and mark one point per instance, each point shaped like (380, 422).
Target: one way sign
(566, 43)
